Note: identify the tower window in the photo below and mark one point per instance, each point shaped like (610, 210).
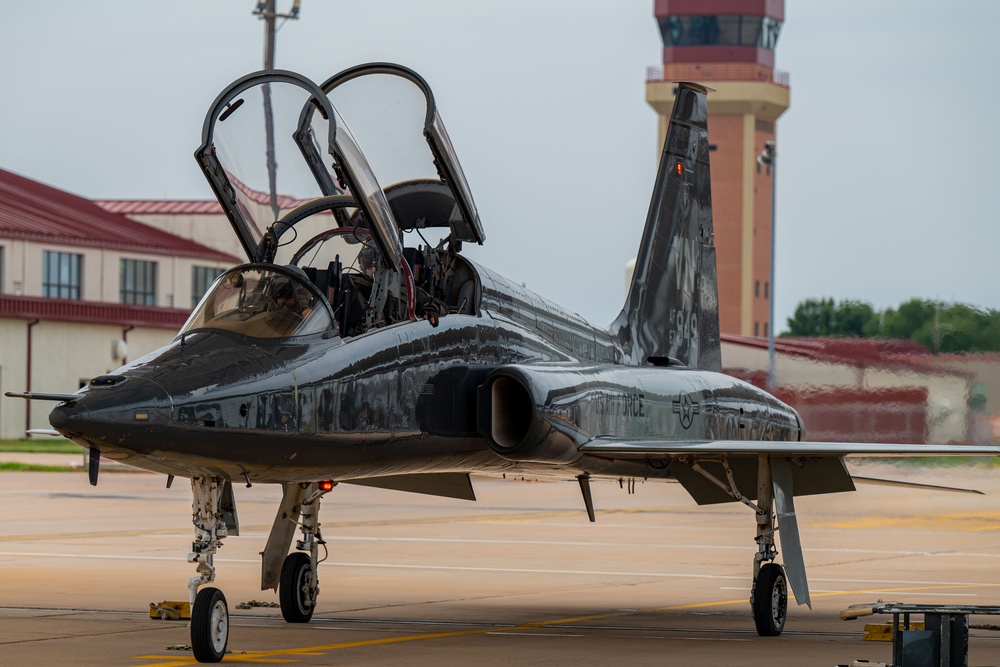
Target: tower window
(759, 31)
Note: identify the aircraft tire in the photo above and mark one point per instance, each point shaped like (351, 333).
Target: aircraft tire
(770, 600)
(210, 625)
(293, 590)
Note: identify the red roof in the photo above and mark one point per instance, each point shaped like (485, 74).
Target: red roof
(859, 352)
(34, 211)
(70, 310)
(161, 206)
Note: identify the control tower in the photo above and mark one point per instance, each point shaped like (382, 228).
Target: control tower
(728, 45)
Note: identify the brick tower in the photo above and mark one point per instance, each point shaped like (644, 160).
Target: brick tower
(728, 45)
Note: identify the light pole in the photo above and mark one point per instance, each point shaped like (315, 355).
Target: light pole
(769, 157)
(265, 10)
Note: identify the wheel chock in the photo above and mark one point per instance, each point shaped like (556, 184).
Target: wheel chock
(170, 610)
(882, 632)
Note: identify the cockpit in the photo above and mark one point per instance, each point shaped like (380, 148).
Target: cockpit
(329, 247)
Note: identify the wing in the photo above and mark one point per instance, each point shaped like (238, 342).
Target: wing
(609, 447)
(720, 471)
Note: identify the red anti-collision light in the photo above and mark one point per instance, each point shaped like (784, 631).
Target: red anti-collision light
(326, 485)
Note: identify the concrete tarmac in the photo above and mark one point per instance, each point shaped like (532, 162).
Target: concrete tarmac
(519, 577)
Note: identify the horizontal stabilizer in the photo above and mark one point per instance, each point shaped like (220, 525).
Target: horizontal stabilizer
(41, 396)
(644, 448)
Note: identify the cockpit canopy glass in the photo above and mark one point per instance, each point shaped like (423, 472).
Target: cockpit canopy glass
(392, 114)
(271, 144)
(262, 302)
(271, 167)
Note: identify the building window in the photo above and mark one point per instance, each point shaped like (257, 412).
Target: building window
(767, 290)
(138, 282)
(756, 288)
(765, 329)
(756, 328)
(201, 279)
(764, 126)
(61, 275)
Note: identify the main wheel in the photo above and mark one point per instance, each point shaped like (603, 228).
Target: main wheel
(209, 625)
(295, 588)
(770, 600)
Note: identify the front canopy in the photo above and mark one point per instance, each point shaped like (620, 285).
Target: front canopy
(272, 143)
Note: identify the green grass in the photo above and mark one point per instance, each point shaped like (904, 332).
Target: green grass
(40, 446)
(939, 461)
(11, 466)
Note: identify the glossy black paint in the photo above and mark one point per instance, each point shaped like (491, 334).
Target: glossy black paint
(505, 382)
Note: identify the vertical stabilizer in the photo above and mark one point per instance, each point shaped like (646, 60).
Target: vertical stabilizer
(672, 308)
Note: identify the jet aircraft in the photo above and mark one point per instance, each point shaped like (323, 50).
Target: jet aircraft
(358, 344)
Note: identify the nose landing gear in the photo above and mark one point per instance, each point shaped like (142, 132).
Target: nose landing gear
(211, 508)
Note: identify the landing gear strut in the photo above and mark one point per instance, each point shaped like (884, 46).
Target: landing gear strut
(209, 611)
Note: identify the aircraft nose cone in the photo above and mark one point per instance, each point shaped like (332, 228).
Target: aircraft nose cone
(65, 415)
(58, 417)
(112, 413)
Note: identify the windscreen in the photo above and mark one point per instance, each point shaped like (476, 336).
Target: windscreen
(261, 303)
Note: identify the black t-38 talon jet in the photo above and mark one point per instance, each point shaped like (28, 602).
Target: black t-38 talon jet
(358, 344)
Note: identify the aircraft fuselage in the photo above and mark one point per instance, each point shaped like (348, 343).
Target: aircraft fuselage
(401, 399)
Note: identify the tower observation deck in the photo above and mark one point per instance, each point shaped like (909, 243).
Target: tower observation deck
(728, 45)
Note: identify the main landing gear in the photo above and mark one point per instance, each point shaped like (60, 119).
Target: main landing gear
(769, 595)
(214, 516)
(299, 583)
(769, 592)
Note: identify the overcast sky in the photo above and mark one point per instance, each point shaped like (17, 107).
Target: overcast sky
(888, 157)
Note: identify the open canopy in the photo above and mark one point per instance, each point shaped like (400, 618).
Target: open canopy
(276, 149)
(392, 112)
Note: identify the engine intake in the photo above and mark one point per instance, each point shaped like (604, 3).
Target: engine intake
(512, 418)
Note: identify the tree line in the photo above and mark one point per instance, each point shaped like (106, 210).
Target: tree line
(940, 327)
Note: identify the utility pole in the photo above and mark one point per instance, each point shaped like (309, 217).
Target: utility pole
(769, 158)
(265, 10)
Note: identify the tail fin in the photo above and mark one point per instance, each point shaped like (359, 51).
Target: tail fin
(672, 308)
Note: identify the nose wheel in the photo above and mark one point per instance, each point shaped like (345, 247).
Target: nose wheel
(210, 625)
